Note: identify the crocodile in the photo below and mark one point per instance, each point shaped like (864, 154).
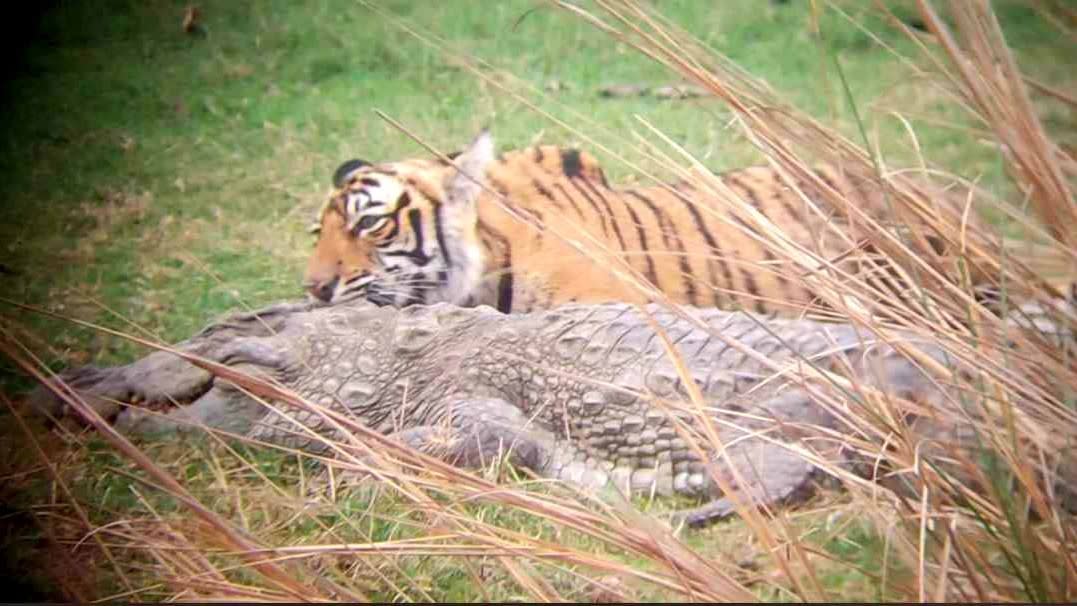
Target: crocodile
(588, 394)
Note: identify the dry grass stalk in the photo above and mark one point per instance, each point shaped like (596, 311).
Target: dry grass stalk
(1034, 372)
(991, 83)
(365, 451)
(999, 536)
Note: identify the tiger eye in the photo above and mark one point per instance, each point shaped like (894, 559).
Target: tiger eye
(368, 222)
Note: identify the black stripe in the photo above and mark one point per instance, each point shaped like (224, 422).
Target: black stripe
(825, 179)
(402, 202)
(538, 154)
(788, 199)
(439, 232)
(651, 274)
(609, 211)
(672, 241)
(747, 273)
(505, 278)
(534, 215)
(417, 255)
(594, 205)
(602, 177)
(549, 195)
(395, 230)
(734, 182)
(545, 193)
(753, 289)
(452, 156)
(419, 288)
(781, 194)
(701, 227)
(504, 289)
(779, 274)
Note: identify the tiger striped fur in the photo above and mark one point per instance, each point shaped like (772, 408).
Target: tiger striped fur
(422, 231)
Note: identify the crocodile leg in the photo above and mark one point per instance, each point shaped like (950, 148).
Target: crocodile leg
(770, 474)
(768, 470)
(476, 432)
(220, 408)
(134, 395)
(160, 377)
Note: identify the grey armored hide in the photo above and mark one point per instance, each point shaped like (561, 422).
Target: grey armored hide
(586, 394)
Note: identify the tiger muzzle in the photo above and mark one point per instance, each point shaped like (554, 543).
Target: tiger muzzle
(323, 290)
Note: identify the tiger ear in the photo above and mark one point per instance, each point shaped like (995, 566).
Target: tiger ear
(463, 185)
(346, 170)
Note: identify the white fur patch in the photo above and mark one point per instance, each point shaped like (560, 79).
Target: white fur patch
(462, 192)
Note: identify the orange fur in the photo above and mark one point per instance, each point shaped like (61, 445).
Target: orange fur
(564, 233)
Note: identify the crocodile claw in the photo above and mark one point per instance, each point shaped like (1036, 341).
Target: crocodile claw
(704, 515)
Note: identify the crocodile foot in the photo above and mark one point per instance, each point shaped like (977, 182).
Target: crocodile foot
(768, 474)
(163, 392)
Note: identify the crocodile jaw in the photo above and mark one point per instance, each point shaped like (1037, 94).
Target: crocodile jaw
(223, 408)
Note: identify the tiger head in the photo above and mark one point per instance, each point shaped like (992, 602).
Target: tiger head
(403, 232)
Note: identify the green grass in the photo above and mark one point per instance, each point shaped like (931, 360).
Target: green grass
(131, 149)
(170, 178)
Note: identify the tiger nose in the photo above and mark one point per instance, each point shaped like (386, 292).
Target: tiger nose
(323, 290)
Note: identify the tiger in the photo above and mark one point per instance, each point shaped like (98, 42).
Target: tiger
(542, 226)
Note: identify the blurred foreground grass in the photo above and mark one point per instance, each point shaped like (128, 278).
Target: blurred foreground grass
(161, 178)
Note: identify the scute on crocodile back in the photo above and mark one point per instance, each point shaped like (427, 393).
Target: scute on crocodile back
(414, 332)
(608, 406)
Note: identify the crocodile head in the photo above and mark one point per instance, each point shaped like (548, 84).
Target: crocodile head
(165, 392)
(310, 355)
